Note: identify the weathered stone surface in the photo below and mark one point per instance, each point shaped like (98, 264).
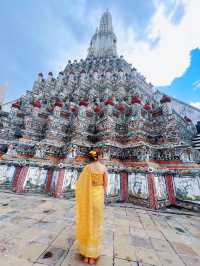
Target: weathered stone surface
(169, 259)
(52, 256)
(62, 241)
(120, 262)
(14, 261)
(126, 252)
(27, 241)
(141, 242)
(32, 251)
(147, 256)
(161, 245)
(182, 248)
(191, 260)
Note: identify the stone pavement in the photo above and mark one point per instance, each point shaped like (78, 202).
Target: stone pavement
(38, 230)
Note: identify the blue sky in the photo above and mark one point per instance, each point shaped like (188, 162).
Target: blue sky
(187, 87)
(161, 38)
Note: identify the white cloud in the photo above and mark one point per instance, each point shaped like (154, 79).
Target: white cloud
(171, 57)
(72, 48)
(162, 63)
(195, 104)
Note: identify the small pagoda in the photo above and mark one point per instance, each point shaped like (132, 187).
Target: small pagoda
(101, 102)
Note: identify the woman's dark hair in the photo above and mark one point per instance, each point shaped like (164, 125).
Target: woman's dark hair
(93, 155)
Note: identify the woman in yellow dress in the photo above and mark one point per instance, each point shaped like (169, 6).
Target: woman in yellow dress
(90, 192)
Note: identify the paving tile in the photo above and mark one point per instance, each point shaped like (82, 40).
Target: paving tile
(139, 232)
(184, 249)
(46, 237)
(160, 244)
(167, 259)
(191, 260)
(10, 246)
(148, 256)
(30, 226)
(155, 234)
(52, 256)
(119, 262)
(32, 251)
(136, 225)
(108, 234)
(107, 250)
(123, 240)
(171, 235)
(62, 242)
(13, 261)
(46, 225)
(121, 229)
(196, 248)
(125, 252)
(29, 234)
(141, 242)
(149, 227)
(104, 260)
(122, 222)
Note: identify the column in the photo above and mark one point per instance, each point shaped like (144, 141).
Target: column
(170, 189)
(152, 191)
(21, 179)
(59, 183)
(124, 186)
(16, 176)
(49, 179)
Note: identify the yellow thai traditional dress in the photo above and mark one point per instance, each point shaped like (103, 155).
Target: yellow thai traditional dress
(89, 212)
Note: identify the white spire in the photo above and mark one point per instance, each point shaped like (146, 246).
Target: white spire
(106, 22)
(103, 42)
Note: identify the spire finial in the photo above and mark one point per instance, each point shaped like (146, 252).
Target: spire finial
(103, 42)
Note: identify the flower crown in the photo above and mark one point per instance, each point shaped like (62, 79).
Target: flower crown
(93, 154)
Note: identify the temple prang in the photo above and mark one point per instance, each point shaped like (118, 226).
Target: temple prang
(150, 145)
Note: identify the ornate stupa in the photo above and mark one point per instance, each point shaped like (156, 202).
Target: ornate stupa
(102, 102)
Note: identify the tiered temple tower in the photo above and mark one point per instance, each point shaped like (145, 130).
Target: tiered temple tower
(99, 102)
